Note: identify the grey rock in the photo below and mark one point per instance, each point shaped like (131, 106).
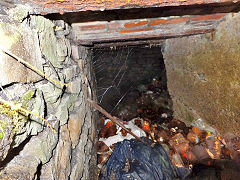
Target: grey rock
(6, 135)
(38, 108)
(37, 150)
(34, 124)
(78, 156)
(75, 52)
(47, 38)
(62, 49)
(23, 42)
(61, 28)
(51, 92)
(75, 86)
(66, 105)
(19, 12)
(75, 124)
(62, 155)
(69, 48)
(70, 72)
(46, 171)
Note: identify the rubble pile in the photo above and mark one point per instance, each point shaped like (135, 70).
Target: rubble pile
(185, 146)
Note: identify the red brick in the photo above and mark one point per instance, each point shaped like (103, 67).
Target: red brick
(115, 25)
(168, 21)
(134, 30)
(208, 17)
(135, 24)
(93, 27)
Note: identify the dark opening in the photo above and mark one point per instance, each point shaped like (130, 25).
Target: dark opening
(125, 74)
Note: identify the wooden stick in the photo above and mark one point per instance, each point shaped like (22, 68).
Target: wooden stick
(100, 109)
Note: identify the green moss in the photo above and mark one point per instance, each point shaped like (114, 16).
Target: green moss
(27, 97)
(2, 128)
(16, 119)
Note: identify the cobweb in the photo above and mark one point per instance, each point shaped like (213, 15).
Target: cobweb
(124, 73)
(111, 68)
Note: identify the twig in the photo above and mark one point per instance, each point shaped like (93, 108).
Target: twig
(52, 67)
(30, 66)
(15, 107)
(100, 109)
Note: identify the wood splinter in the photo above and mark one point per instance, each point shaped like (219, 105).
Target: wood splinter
(114, 120)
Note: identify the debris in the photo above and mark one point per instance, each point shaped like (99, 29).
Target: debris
(213, 147)
(198, 154)
(110, 140)
(94, 104)
(233, 144)
(133, 159)
(186, 147)
(192, 137)
(179, 143)
(199, 123)
(177, 160)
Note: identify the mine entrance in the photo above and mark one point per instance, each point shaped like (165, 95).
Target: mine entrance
(125, 74)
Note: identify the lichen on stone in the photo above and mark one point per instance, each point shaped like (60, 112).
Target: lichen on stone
(2, 128)
(17, 118)
(27, 97)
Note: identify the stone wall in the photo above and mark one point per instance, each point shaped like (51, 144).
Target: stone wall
(203, 75)
(29, 149)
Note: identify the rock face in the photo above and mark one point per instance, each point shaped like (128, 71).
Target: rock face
(29, 149)
(26, 47)
(202, 74)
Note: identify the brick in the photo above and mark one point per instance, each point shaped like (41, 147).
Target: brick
(135, 24)
(92, 27)
(114, 25)
(168, 21)
(207, 17)
(134, 30)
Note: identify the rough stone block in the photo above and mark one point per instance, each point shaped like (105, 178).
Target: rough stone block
(75, 123)
(61, 47)
(63, 110)
(62, 155)
(75, 52)
(47, 38)
(75, 86)
(51, 92)
(70, 72)
(23, 42)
